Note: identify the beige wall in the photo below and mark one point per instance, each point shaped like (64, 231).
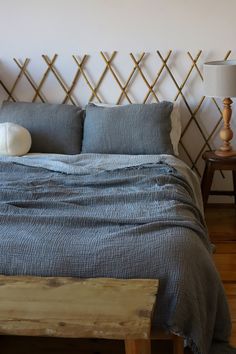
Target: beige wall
(29, 26)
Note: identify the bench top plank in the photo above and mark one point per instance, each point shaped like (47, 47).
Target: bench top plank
(77, 308)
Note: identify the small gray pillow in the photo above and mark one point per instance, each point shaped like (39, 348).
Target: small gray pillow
(131, 129)
(54, 128)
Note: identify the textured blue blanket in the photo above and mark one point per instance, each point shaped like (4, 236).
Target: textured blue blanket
(136, 221)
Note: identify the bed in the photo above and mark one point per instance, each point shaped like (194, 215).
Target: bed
(122, 207)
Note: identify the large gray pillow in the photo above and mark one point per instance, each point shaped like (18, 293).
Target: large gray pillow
(129, 129)
(54, 128)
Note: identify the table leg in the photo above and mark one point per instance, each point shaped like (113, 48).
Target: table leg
(207, 181)
(178, 345)
(137, 346)
(234, 185)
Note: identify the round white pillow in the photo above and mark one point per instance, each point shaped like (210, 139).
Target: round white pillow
(15, 140)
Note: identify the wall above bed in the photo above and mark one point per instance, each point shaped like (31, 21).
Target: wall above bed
(67, 26)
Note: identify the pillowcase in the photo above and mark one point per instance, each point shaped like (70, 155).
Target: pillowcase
(176, 128)
(54, 128)
(14, 140)
(130, 129)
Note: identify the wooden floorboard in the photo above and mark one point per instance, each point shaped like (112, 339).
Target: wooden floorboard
(221, 222)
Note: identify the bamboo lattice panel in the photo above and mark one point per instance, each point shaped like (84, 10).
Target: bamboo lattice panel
(120, 79)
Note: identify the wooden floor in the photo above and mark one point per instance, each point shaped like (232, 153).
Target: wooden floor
(221, 222)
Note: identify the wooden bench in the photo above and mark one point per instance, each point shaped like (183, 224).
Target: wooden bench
(81, 308)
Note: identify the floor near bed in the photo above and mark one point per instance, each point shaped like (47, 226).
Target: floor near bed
(221, 221)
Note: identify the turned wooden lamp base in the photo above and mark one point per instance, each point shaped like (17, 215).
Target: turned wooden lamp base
(226, 132)
(225, 153)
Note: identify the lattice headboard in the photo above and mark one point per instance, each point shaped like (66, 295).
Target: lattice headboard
(123, 78)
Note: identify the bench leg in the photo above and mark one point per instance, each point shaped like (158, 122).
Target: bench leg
(178, 344)
(138, 346)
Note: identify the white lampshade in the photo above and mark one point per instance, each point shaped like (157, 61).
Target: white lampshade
(220, 78)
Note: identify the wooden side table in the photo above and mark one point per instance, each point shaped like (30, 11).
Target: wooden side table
(213, 163)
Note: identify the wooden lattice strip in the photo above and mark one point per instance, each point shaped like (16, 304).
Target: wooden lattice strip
(82, 72)
(186, 103)
(176, 98)
(189, 72)
(115, 76)
(102, 76)
(194, 61)
(59, 79)
(194, 65)
(194, 112)
(131, 75)
(29, 78)
(7, 91)
(180, 90)
(158, 76)
(175, 82)
(208, 139)
(45, 75)
(213, 131)
(190, 158)
(75, 79)
(10, 95)
(149, 86)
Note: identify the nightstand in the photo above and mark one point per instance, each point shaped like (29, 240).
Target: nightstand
(213, 163)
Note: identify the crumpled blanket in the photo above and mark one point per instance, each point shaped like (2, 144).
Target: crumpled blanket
(117, 216)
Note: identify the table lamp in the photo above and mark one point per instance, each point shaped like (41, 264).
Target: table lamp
(220, 81)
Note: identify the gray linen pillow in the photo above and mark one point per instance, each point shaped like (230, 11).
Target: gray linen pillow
(54, 128)
(131, 129)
